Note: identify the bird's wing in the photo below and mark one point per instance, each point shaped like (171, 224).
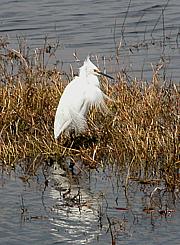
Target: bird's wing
(61, 122)
(68, 113)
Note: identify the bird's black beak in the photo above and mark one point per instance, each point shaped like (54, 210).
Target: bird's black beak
(106, 75)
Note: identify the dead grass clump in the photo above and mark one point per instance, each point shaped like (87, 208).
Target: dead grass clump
(140, 132)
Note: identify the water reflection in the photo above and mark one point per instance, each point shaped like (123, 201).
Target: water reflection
(74, 214)
(89, 208)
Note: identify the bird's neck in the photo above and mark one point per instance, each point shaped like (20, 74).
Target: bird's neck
(89, 78)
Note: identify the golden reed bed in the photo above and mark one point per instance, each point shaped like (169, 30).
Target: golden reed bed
(138, 134)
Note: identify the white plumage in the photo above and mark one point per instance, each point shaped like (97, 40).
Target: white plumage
(79, 95)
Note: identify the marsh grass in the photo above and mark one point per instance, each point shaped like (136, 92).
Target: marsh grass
(139, 133)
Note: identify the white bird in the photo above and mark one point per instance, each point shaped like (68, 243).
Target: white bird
(78, 96)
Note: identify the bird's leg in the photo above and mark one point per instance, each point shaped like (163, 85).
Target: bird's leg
(72, 137)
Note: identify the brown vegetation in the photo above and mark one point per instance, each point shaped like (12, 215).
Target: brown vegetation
(139, 134)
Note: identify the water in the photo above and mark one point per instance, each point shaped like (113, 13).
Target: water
(33, 214)
(84, 209)
(98, 27)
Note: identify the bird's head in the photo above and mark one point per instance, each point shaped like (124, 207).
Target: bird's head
(90, 69)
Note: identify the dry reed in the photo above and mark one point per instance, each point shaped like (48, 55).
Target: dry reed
(139, 134)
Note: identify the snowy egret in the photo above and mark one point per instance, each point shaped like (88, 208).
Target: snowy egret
(79, 95)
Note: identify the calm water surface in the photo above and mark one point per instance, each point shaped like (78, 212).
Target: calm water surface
(85, 210)
(148, 31)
